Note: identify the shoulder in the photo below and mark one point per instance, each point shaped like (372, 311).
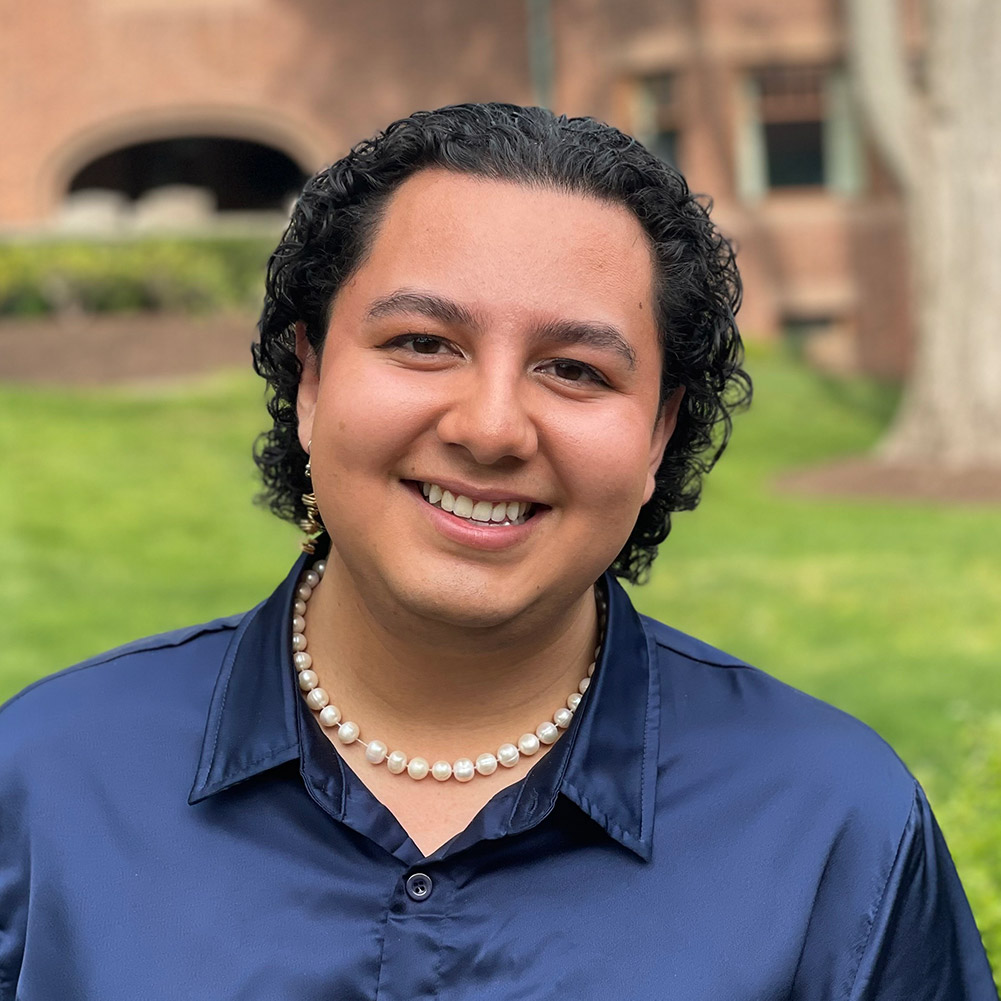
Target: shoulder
(774, 735)
(142, 677)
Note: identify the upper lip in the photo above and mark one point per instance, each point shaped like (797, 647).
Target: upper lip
(495, 494)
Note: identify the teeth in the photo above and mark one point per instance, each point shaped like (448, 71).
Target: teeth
(482, 511)
(488, 512)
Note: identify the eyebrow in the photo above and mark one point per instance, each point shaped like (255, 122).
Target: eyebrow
(434, 307)
(590, 333)
(565, 332)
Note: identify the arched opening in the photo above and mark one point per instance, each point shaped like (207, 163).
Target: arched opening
(235, 174)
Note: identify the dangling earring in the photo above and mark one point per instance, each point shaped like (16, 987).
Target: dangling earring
(312, 525)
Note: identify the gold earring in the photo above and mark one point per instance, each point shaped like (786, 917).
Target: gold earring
(312, 524)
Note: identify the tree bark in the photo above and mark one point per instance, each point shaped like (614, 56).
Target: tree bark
(940, 131)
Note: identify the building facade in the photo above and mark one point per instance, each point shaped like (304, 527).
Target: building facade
(232, 102)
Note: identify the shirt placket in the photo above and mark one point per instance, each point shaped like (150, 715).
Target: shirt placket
(420, 911)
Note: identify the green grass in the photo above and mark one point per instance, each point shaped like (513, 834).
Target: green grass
(127, 511)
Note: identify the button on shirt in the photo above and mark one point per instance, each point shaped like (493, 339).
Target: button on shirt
(174, 824)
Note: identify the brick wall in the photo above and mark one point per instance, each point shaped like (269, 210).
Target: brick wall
(79, 78)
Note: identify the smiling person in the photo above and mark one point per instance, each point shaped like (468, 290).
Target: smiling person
(446, 758)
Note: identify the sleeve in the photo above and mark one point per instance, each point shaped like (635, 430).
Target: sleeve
(923, 944)
(14, 872)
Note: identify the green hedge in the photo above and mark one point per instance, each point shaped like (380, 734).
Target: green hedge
(970, 816)
(160, 274)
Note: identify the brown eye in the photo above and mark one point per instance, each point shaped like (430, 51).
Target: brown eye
(425, 345)
(419, 344)
(568, 370)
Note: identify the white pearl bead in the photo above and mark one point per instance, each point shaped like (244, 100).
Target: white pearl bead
(486, 764)
(303, 591)
(347, 733)
(573, 700)
(528, 743)
(441, 770)
(330, 716)
(547, 732)
(308, 680)
(302, 660)
(299, 608)
(507, 755)
(319, 566)
(417, 768)
(298, 624)
(298, 642)
(582, 687)
(562, 718)
(376, 752)
(396, 762)
(311, 577)
(317, 698)
(464, 769)
(590, 670)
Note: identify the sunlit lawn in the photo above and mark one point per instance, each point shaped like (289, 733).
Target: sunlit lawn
(127, 511)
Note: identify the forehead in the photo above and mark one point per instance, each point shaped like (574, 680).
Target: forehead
(506, 248)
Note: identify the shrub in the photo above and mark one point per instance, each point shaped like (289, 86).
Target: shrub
(970, 816)
(159, 274)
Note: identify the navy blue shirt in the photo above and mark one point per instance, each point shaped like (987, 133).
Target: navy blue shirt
(173, 824)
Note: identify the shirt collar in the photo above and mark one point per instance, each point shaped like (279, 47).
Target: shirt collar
(611, 763)
(251, 724)
(606, 763)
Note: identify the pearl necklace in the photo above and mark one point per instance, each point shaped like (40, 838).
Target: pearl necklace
(376, 751)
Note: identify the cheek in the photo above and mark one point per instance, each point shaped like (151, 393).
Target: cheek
(364, 422)
(609, 457)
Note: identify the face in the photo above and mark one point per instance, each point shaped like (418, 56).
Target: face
(496, 354)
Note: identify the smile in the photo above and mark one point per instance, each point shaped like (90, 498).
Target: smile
(484, 512)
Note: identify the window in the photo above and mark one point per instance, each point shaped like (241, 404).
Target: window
(798, 131)
(791, 111)
(657, 115)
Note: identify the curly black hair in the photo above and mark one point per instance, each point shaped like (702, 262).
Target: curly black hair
(697, 284)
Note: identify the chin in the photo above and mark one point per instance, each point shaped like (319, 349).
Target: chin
(463, 608)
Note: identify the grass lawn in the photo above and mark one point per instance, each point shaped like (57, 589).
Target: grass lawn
(127, 511)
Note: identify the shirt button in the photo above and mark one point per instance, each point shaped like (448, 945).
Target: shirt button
(419, 886)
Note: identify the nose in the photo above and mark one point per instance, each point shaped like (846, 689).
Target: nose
(489, 418)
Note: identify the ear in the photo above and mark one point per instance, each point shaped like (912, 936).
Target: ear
(662, 432)
(309, 384)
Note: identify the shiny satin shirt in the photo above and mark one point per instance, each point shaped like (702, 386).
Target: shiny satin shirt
(174, 825)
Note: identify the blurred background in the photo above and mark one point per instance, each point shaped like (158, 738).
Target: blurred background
(850, 541)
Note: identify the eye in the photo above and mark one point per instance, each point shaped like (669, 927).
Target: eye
(420, 344)
(569, 370)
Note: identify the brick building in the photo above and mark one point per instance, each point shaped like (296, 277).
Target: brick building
(239, 99)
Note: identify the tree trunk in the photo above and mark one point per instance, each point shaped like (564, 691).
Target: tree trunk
(942, 136)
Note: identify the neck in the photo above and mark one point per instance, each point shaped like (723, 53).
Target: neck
(428, 685)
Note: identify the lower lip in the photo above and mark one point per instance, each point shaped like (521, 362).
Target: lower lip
(472, 533)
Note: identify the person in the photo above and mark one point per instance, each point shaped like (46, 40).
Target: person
(446, 758)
